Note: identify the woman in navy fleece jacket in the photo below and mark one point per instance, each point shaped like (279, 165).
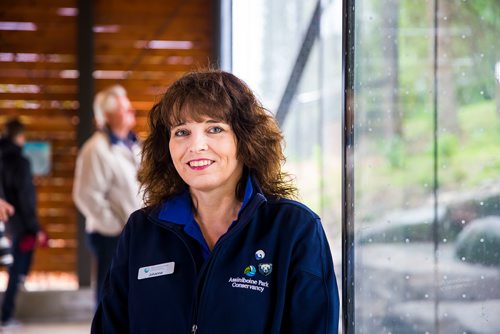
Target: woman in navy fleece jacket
(221, 247)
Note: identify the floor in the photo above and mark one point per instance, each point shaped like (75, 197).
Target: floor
(51, 303)
(47, 328)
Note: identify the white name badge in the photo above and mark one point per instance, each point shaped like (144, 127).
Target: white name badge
(161, 269)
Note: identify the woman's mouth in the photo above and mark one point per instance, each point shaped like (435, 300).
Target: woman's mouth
(200, 164)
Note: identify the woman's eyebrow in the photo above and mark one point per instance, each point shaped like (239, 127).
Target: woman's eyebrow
(214, 121)
(209, 121)
(178, 124)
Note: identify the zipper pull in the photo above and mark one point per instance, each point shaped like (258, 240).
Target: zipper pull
(194, 329)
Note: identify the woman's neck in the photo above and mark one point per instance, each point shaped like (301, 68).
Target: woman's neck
(214, 214)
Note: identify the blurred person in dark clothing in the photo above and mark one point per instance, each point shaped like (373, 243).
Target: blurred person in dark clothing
(22, 226)
(6, 210)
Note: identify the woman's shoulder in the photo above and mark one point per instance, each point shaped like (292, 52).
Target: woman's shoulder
(141, 222)
(294, 207)
(140, 216)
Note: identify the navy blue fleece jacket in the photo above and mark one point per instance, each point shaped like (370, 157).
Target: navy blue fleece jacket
(271, 273)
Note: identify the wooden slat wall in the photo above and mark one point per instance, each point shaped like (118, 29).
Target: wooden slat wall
(32, 88)
(151, 70)
(38, 71)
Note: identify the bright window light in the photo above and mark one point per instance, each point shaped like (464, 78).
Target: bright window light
(69, 74)
(12, 88)
(110, 74)
(158, 44)
(107, 28)
(18, 26)
(67, 11)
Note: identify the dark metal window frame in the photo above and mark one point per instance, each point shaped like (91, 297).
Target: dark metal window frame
(348, 112)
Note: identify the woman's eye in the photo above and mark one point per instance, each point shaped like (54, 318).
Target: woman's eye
(181, 133)
(215, 129)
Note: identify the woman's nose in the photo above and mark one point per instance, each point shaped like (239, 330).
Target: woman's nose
(199, 143)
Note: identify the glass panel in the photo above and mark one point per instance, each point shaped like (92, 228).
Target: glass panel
(468, 167)
(266, 37)
(427, 178)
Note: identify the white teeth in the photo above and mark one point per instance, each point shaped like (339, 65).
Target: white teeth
(199, 163)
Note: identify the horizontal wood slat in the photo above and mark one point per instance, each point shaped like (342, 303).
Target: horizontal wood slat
(167, 64)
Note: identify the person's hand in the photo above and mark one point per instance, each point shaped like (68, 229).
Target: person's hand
(6, 210)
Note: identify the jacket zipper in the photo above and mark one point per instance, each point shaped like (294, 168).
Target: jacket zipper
(208, 266)
(202, 279)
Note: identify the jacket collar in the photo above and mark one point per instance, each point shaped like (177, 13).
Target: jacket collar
(178, 210)
(114, 139)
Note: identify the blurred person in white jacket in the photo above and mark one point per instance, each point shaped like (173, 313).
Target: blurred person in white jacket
(106, 189)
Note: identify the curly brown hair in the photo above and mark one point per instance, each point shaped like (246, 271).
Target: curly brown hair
(224, 97)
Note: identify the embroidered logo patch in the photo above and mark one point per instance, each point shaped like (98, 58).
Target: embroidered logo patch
(260, 254)
(250, 271)
(265, 268)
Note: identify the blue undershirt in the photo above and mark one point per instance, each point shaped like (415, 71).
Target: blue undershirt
(129, 141)
(178, 210)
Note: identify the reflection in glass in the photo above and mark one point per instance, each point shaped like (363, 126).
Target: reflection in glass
(427, 181)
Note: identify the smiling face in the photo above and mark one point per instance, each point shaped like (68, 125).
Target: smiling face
(204, 154)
